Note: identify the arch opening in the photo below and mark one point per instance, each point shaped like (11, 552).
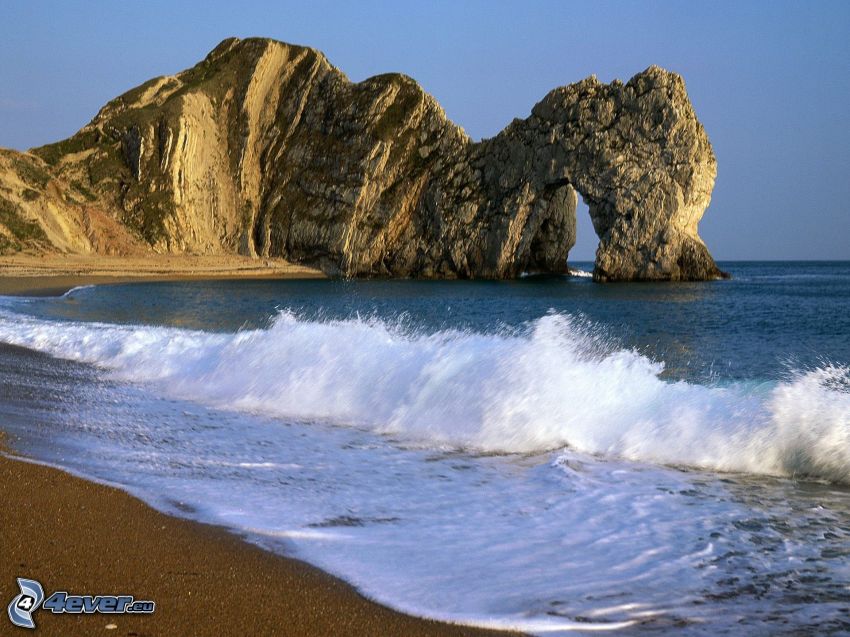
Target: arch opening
(584, 249)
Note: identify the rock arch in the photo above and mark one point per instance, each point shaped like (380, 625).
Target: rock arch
(641, 161)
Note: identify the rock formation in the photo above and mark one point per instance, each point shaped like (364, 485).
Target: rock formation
(266, 149)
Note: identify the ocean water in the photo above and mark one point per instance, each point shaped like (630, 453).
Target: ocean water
(546, 454)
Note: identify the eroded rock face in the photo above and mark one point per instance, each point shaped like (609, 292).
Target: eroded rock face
(266, 149)
(645, 167)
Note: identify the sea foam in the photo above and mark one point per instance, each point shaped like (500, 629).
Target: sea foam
(555, 384)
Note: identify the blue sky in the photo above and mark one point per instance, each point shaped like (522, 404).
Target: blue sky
(769, 80)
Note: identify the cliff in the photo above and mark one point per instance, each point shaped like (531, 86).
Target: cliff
(266, 149)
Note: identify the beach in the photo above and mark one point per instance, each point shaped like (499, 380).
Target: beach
(90, 539)
(52, 274)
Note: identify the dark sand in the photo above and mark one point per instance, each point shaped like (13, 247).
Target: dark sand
(54, 274)
(90, 539)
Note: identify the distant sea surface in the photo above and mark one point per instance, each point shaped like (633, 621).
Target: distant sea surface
(547, 454)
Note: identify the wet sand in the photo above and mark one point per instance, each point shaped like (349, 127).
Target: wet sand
(88, 539)
(55, 274)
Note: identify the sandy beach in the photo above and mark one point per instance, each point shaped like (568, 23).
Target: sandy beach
(56, 273)
(89, 539)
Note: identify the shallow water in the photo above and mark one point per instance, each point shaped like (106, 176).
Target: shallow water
(544, 454)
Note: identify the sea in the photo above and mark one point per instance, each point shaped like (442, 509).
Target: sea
(545, 454)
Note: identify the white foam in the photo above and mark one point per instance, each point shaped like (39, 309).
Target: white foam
(552, 542)
(76, 289)
(555, 385)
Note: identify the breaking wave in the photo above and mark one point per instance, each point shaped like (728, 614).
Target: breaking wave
(555, 384)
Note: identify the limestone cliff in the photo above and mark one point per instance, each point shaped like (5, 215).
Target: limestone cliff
(266, 149)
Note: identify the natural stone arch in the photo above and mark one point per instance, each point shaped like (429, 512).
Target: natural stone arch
(642, 163)
(635, 152)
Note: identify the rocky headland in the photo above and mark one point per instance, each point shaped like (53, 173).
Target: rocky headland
(266, 150)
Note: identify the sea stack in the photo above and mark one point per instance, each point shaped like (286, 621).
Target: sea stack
(265, 149)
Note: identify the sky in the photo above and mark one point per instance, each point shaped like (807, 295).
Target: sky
(770, 81)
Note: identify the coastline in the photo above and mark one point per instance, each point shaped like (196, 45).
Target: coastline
(54, 274)
(88, 539)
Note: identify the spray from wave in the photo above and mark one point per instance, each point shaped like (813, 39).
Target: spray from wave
(75, 290)
(553, 385)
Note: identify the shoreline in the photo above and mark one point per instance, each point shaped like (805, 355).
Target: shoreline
(53, 275)
(88, 538)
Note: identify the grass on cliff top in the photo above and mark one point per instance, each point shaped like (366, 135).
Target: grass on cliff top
(53, 153)
(30, 172)
(135, 94)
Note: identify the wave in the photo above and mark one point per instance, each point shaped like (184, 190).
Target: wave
(556, 384)
(79, 288)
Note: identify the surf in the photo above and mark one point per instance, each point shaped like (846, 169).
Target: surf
(555, 383)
